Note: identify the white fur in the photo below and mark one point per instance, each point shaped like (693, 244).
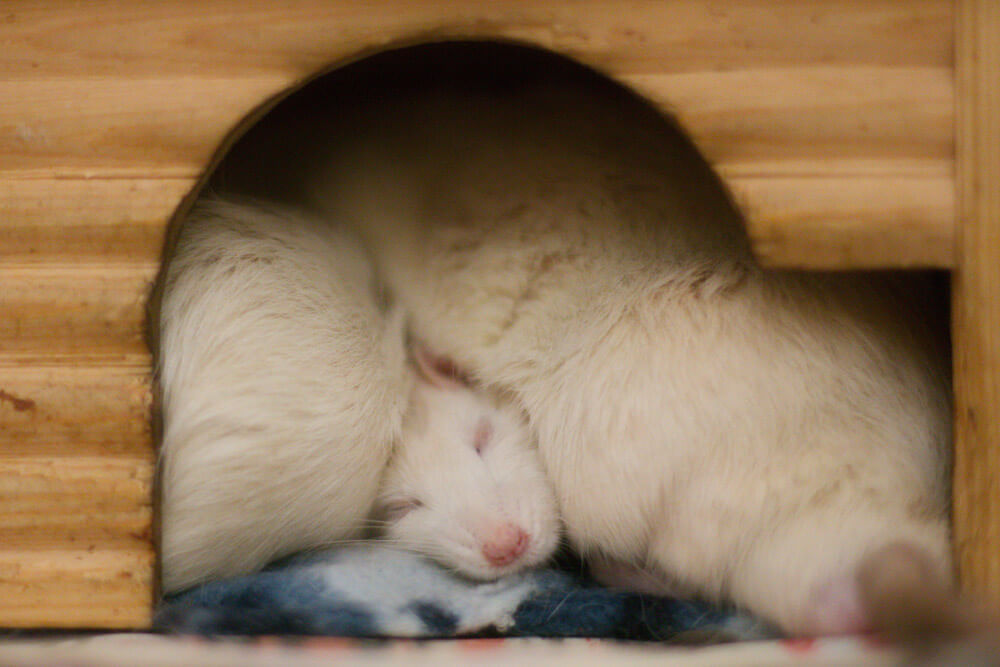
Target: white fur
(460, 497)
(744, 434)
(283, 388)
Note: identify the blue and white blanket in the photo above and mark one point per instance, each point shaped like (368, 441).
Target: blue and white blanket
(374, 590)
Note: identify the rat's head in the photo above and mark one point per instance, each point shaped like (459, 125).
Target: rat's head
(465, 485)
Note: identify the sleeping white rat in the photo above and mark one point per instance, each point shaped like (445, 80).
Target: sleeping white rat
(465, 485)
(283, 389)
(767, 438)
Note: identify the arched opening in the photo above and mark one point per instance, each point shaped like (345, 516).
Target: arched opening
(500, 68)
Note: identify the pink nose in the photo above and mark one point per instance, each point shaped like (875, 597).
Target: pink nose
(505, 544)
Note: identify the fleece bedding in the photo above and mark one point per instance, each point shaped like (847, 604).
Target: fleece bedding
(375, 590)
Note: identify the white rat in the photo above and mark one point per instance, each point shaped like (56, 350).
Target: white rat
(465, 485)
(780, 440)
(283, 389)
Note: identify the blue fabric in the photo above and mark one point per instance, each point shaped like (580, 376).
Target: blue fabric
(374, 590)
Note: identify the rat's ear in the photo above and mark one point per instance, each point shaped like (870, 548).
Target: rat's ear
(438, 371)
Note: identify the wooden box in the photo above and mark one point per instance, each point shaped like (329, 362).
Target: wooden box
(853, 133)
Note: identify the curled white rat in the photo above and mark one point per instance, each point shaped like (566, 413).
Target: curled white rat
(283, 387)
(465, 485)
(739, 434)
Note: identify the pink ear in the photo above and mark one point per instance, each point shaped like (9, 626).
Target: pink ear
(438, 371)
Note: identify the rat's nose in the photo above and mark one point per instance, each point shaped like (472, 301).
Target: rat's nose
(505, 544)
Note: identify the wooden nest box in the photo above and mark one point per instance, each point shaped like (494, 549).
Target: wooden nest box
(852, 133)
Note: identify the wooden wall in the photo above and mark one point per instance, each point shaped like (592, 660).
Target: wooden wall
(831, 121)
(976, 302)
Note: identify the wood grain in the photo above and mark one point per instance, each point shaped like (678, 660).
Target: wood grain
(76, 472)
(75, 409)
(125, 39)
(74, 307)
(170, 127)
(149, 90)
(804, 213)
(828, 112)
(76, 495)
(865, 222)
(82, 588)
(78, 502)
(81, 220)
(84, 127)
(976, 299)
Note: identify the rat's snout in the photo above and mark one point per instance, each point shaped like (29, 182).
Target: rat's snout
(504, 544)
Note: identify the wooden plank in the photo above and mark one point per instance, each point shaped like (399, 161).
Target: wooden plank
(821, 112)
(109, 220)
(976, 301)
(85, 588)
(75, 502)
(161, 85)
(740, 117)
(856, 222)
(810, 213)
(805, 213)
(97, 410)
(127, 39)
(88, 307)
(166, 127)
(122, 128)
(76, 475)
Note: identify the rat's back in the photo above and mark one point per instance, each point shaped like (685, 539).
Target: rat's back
(752, 434)
(283, 387)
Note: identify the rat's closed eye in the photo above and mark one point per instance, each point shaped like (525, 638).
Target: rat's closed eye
(483, 435)
(396, 509)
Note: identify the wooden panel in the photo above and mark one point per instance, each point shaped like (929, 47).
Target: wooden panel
(77, 502)
(72, 408)
(169, 127)
(84, 307)
(149, 90)
(858, 222)
(122, 38)
(169, 80)
(743, 116)
(84, 127)
(86, 588)
(976, 298)
(808, 214)
(76, 474)
(45, 220)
